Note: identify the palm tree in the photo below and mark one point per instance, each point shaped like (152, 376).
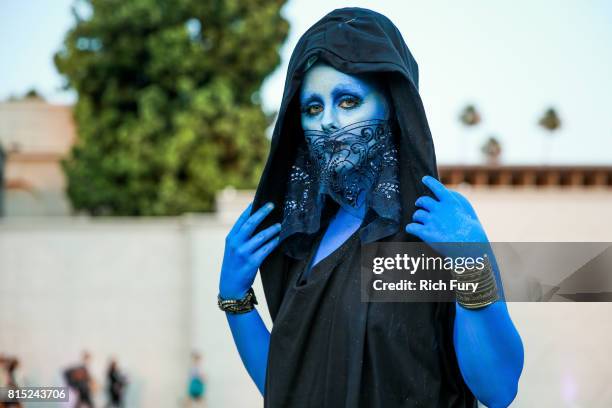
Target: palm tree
(469, 117)
(550, 122)
(492, 150)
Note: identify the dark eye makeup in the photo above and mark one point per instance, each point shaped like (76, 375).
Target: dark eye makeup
(312, 109)
(349, 101)
(345, 102)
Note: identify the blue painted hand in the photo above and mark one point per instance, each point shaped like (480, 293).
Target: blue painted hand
(243, 253)
(448, 218)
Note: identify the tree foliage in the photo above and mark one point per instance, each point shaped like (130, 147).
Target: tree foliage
(492, 150)
(550, 120)
(470, 116)
(168, 109)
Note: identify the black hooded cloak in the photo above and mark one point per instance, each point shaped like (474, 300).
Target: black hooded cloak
(327, 348)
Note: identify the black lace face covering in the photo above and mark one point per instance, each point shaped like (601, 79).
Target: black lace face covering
(355, 165)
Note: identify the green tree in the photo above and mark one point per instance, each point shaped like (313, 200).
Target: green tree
(469, 118)
(168, 110)
(550, 122)
(492, 150)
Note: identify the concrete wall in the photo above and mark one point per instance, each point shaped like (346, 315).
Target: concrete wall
(145, 291)
(142, 290)
(565, 343)
(114, 288)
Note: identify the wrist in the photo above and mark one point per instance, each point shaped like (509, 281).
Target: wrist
(232, 292)
(477, 287)
(238, 305)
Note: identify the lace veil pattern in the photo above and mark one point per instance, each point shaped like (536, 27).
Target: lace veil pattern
(355, 163)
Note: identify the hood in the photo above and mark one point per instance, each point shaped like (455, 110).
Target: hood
(355, 41)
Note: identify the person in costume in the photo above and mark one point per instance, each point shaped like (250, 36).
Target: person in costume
(351, 162)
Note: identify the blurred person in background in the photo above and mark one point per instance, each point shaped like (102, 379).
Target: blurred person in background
(3, 373)
(116, 385)
(9, 378)
(79, 379)
(197, 382)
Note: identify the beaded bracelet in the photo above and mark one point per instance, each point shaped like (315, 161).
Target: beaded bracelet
(237, 306)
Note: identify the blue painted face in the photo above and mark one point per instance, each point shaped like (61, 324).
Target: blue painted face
(345, 119)
(330, 99)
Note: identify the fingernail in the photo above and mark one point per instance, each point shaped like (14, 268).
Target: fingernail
(270, 205)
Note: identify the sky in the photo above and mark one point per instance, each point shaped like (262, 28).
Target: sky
(512, 60)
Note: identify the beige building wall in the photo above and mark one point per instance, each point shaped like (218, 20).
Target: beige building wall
(36, 135)
(145, 291)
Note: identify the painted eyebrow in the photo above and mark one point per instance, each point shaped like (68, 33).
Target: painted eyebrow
(339, 90)
(310, 97)
(350, 88)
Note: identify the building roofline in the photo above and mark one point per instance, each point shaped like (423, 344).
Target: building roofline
(527, 175)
